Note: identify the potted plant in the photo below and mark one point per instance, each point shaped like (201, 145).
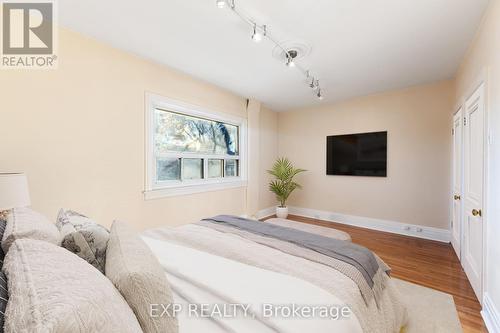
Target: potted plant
(283, 185)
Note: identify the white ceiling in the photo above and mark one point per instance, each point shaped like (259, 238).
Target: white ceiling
(358, 47)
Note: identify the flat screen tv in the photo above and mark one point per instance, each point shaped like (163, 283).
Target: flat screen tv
(362, 154)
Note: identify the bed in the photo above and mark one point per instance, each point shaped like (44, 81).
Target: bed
(211, 263)
(221, 274)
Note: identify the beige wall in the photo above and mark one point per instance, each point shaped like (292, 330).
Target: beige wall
(483, 54)
(416, 190)
(268, 155)
(78, 132)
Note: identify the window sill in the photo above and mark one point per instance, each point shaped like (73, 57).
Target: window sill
(191, 189)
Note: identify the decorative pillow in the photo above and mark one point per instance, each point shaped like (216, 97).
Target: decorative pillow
(137, 274)
(26, 223)
(4, 299)
(3, 225)
(83, 237)
(4, 296)
(52, 290)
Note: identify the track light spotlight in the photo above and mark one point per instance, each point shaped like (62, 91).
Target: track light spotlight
(312, 85)
(320, 96)
(316, 85)
(257, 36)
(221, 3)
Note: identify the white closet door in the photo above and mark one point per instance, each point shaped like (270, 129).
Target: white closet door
(474, 134)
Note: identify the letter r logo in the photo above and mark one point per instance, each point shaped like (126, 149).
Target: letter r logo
(27, 28)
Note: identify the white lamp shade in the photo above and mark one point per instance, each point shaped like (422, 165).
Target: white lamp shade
(13, 191)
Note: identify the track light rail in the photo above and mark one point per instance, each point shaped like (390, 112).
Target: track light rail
(261, 31)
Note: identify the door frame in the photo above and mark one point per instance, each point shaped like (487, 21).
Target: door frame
(459, 108)
(482, 79)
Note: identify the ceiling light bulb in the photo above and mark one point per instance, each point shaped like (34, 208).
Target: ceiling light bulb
(220, 3)
(290, 62)
(257, 37)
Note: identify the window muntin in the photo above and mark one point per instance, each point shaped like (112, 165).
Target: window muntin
(190, 149)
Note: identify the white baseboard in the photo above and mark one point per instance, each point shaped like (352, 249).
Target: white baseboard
(413, 230)
(490, 315)
(265, 212)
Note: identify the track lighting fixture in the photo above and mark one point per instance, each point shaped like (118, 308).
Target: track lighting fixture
(221, 3)
(261, 31)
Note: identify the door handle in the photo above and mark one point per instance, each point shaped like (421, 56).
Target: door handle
(476, 212)
(456, 197)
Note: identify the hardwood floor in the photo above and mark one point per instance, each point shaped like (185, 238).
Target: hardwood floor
(427, 263)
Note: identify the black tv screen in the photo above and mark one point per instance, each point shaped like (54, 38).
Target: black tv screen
(357, 155)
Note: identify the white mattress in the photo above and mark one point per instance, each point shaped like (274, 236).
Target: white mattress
(199, 277)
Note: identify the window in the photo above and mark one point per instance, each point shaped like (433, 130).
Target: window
(191, 150)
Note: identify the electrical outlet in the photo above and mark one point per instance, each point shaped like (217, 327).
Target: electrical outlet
(419, 230)
(407, 228)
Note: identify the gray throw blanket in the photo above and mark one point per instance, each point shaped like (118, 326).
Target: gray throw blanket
(362, 259)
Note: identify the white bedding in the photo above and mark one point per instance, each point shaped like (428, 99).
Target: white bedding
(199, 277)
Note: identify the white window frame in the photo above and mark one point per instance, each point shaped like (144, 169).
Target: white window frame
(154, 189)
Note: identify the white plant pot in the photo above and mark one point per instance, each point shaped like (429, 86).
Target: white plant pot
(282, 212)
